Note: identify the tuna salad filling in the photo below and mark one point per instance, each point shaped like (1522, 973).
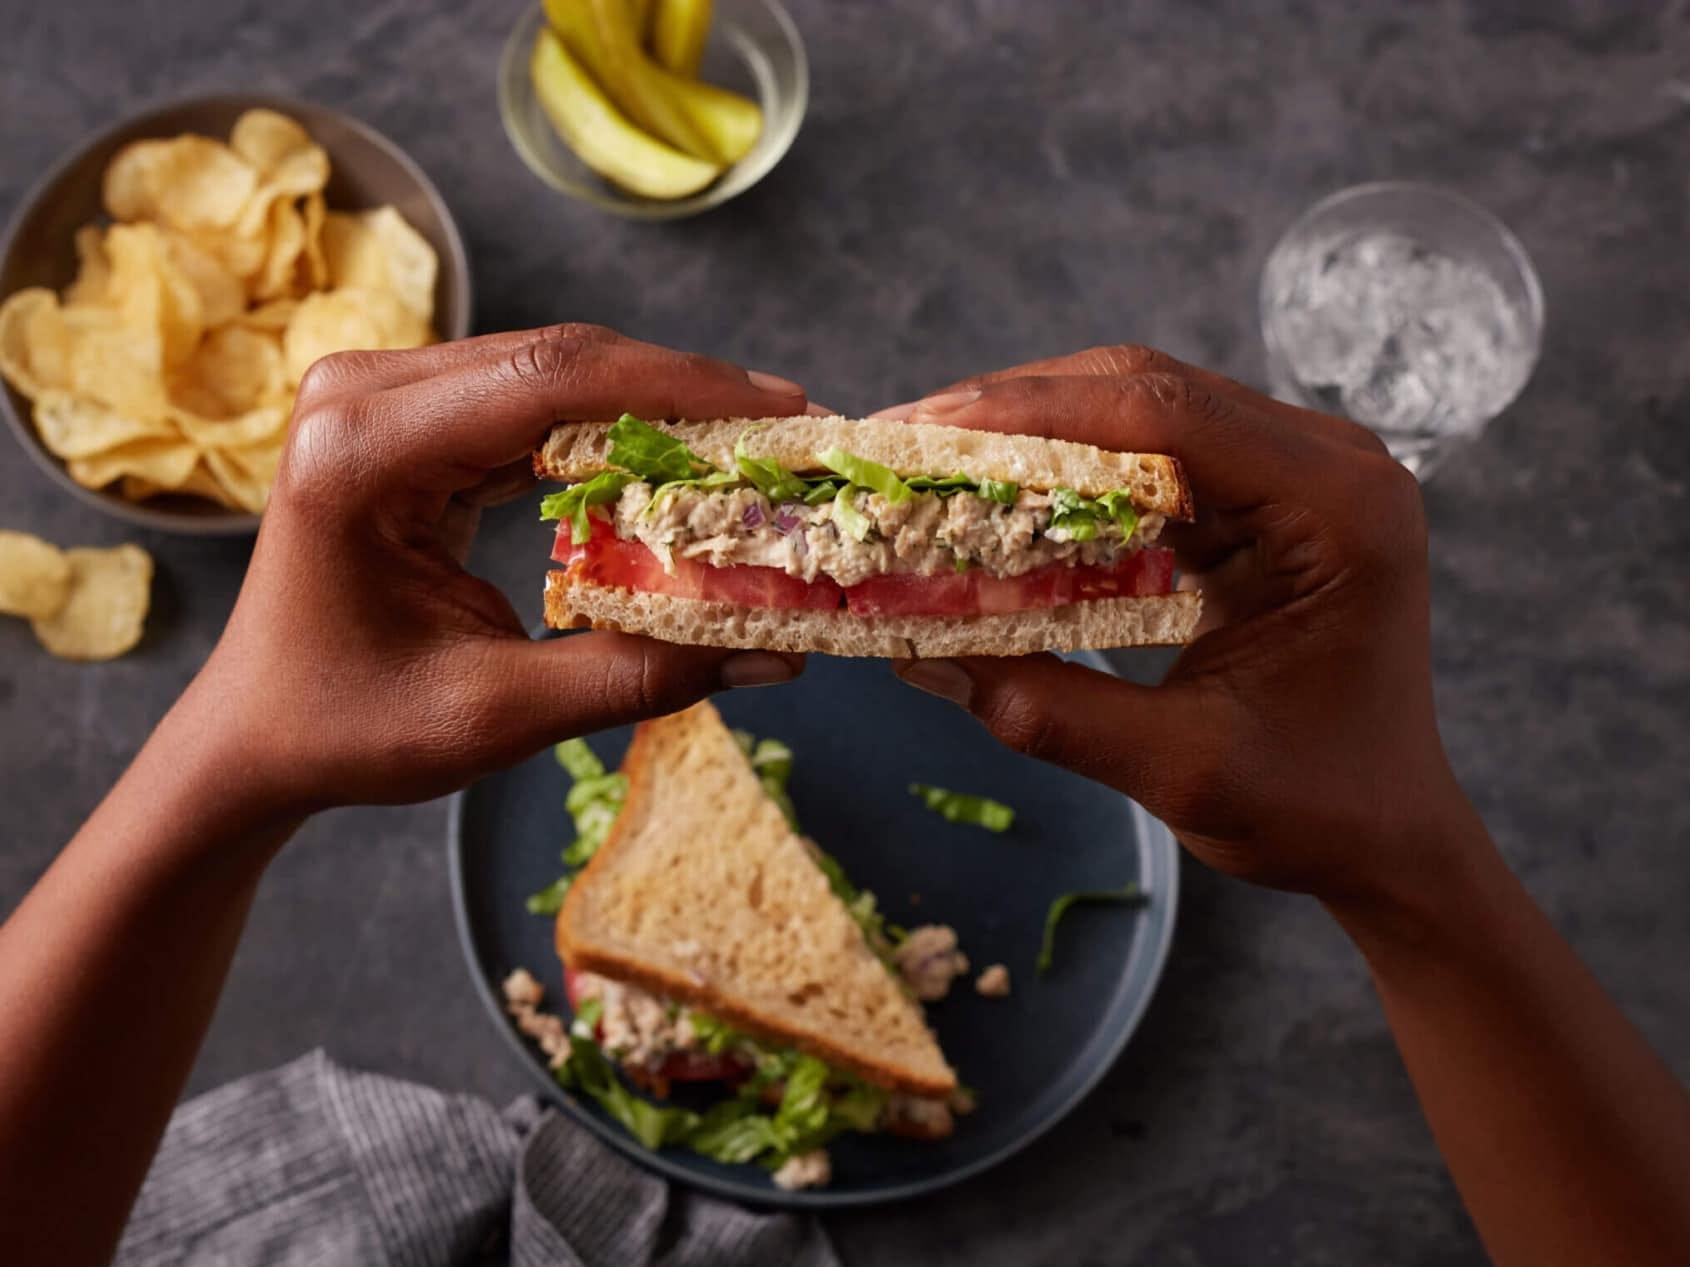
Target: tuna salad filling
(924, 533)
(852, 522)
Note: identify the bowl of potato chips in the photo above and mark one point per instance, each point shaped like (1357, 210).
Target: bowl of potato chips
(165, 287)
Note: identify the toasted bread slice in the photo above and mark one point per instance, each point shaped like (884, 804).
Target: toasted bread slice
(1156, 620)
(578, 451)
(702, 893)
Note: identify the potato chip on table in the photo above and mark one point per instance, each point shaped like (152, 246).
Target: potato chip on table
(106, 610)
(84, 604)
(170, 364)
(34, 575)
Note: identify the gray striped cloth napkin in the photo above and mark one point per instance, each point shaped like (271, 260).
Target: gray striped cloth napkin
(314, 1164)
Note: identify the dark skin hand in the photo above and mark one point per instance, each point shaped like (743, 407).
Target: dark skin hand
(361, 664)
(1295, 744)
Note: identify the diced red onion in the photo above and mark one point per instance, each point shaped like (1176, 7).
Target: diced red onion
(801, 543)
(754, 517)
(786, 521)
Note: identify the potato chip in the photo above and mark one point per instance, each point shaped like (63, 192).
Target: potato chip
(153, 296)
(166, 462)
(287, 243)
(222, 297)
(265, 137)
(188, 182)
(235, 369)
(119, 367)
(93, 271)
(33, 348)
(378, 250)
(273, 316)
(200, 483)
(75, 427)
(344, 321)
(106, 610)
(265, 424)
(316, 264)
(246, 474)
(34, 575)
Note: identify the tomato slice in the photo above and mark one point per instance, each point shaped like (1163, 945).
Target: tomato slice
(1148, 571)
(702, 1066)
(606, 559)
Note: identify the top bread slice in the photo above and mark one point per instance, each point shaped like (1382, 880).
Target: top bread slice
(702, 893)
(1155, 482)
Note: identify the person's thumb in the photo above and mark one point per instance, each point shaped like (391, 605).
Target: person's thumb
(557, 688)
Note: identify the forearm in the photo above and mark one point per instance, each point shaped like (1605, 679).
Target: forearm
(1568, 1138)
(109, 972)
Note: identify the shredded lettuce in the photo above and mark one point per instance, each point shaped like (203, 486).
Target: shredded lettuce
(577, 759)
(768, 476)
(851, 521)
(960, 807)
(817, 1103)
(1073, 516)
(637, 446)
(1119, 504)
(1003, 491)
(1127, 895)
(870, 475)
(549, 900)
(944, 486)
(573, 502)
(821, 491)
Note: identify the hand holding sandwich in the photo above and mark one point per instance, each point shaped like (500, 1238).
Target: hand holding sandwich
(1294, 743)
(370, 664)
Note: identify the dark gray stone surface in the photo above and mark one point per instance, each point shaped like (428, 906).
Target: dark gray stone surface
(977, 184)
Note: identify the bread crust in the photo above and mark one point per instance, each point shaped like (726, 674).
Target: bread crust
(578, 950)
(1097, 624)
(579, 450)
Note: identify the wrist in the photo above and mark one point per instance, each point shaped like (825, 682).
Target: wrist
(1445, 876)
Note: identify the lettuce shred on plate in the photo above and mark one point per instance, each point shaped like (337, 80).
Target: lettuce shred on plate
(1127, 895)
(960, 807)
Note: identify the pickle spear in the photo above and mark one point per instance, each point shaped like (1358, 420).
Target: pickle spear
(602, 137)
(679, 31)
(729, 123)
(630, 77)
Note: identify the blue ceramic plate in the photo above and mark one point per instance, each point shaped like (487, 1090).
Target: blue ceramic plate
(860, 737)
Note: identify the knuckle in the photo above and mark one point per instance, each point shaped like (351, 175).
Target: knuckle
(316, 462)
(1021, 723)
(1131, 358)
(329, 374)
(546, 362)
(635, 681)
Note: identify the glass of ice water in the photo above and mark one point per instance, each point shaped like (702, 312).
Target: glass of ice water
(1405, 307)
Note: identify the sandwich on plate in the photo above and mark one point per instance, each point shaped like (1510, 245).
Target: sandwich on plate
(707, 942)
(870, 538)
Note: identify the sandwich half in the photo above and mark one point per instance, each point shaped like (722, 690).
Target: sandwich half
(707, 942)
(867, 538)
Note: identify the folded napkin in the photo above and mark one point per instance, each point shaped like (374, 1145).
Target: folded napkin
(315, 1164)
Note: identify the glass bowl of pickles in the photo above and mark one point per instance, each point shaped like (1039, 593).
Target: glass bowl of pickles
(653, 109)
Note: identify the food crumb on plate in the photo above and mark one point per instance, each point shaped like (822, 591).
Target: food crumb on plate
(993, 982)
(806, 1170)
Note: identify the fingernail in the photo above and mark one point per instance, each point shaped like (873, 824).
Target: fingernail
(770, 383)
(756, 668)
(897, 413)
(947, 403)
(818, 410)
(945, 678)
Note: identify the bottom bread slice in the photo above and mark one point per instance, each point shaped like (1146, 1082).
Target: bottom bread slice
(1097, 624)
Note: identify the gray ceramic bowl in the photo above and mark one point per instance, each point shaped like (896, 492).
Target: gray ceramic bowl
(368, 171)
